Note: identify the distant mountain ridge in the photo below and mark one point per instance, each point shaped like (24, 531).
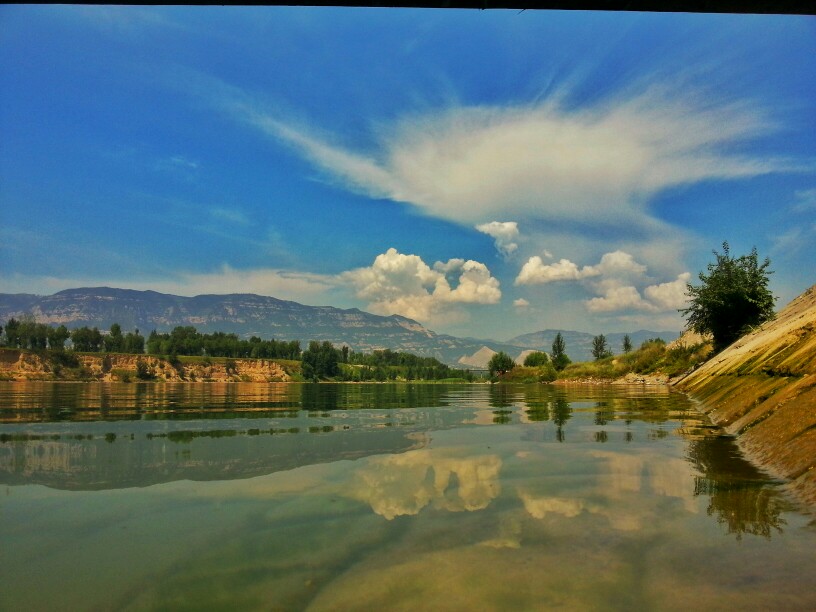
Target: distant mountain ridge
(268, 317)
(242, 314)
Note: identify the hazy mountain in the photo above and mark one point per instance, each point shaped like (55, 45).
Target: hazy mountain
(579, 344)
(243, 314)
(268, 317)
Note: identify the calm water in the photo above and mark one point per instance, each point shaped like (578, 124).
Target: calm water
(399, 497)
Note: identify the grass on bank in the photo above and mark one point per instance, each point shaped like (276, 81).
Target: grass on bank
(651, 358)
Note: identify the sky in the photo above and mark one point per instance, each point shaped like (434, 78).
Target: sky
(486, 173)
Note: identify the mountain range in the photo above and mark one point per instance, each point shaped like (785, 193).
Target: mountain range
(267, 317)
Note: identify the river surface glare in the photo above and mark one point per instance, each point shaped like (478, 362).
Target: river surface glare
(206, 496)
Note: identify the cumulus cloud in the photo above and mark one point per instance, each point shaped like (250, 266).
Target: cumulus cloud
(397, 283)
(617, 264)
(521, 303)
(504, 234)
(614, 280)
(671, 295)
(616, 297)
(535, 271)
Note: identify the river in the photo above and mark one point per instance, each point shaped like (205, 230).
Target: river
(207, 496)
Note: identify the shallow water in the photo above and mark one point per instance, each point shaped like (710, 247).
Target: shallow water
(386, 496)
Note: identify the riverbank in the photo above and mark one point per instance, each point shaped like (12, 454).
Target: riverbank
(762, 389)
(17, 365)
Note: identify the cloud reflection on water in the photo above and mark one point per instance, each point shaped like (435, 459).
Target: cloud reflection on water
(404, 484)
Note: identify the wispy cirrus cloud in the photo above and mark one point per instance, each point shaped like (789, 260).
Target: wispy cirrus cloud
(805, 201)
(593, 164)
(230, 215)
(298, 286)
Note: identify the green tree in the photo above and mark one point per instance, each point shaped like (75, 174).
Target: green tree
(114, 342)
(559, 357)
(536, 359)
(57, 337)
(86, 340)
(134, 342)
(732, 297)
(320, 360)
(13, 333)
(500, 364)
(627, 344)
(599, 347)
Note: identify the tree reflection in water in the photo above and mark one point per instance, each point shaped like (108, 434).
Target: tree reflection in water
(741, 497)
(545, 405)
(560, 414)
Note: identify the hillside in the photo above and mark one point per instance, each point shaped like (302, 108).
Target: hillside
(762, 388)
(243, 314)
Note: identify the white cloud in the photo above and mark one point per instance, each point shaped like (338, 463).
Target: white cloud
(504, 234)
(535, 271)
(671, 295)
(521, 303)
(614, 280)
(476, 286)
(297, 286)
(592, 165)
(179, 165)
(794, 239)
(397, 283)
(616, 263)
(616, 298)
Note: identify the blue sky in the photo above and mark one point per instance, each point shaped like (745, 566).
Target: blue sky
(488, 173)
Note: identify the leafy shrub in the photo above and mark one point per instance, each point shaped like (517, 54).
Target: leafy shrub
(66, 359)
(143, 371)
(536, 359)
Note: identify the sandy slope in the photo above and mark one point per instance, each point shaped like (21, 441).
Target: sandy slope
(763, 389)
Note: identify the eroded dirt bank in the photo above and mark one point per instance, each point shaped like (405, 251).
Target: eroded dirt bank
(22, 365)
(763, 389)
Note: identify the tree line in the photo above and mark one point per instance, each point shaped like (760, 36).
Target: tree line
(28, 334)
(186, 340)
(323, 360)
